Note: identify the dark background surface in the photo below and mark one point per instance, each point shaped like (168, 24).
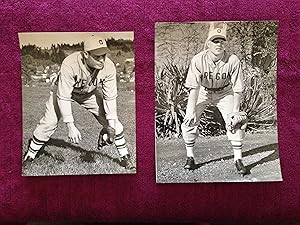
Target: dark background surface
(137, 198)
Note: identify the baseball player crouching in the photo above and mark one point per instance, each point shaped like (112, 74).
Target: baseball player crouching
(215, 77)
(88, 78)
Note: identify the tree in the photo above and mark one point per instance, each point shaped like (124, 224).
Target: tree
(28, 68)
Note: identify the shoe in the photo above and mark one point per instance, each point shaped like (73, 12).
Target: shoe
(30, 154)
(27, 159)
(190, 164)
(125, 161)
(240, 167)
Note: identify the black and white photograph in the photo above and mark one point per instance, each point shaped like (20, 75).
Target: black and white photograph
(215, 97)
(78, 102)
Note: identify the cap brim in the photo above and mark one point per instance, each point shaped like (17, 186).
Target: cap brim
(217, 36)
(100, 51)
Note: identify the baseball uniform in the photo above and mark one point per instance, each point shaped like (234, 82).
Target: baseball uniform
(77, 83)
(95, 90)
(216, 83)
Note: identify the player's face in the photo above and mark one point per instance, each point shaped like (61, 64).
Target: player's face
(95, 61)
(216, 46)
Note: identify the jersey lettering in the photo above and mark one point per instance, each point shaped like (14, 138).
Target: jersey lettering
(209, 76)
(80, 83)
(83, 82)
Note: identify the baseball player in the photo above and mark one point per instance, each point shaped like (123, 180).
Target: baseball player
(214, 78)
(88, 78)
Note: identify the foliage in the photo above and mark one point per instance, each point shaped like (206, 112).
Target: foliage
(256, 42)
(258, 102)
(120, 44)
(177, 43)
(257, 49)
(58, 52)
(34, 56)
(27, 68)
(171, 99)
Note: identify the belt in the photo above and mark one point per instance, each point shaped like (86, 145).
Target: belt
(216, 89)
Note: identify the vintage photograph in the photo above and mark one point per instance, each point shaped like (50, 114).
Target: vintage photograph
(215, 117)
(78, 99)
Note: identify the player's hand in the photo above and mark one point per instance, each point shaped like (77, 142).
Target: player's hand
(73, 134)
(190, 120)
(107, 136)
(236, 120)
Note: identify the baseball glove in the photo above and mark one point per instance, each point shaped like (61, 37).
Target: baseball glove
(237, 120)
(106, 137)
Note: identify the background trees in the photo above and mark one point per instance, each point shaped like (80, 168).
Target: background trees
(37, 61)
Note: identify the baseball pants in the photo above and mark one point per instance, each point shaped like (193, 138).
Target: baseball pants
(48, 124)
(223, 100)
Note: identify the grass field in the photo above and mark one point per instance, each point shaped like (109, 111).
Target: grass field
(214, 158)
(63, 158)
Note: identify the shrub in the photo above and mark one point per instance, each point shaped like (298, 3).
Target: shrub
(171, 99)
(258, 102)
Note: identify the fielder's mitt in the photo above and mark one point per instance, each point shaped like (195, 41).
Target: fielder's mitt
(106, 137)
(237, 121)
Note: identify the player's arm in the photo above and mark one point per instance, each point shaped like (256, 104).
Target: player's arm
(192, 100)
(193, 83)
(65, 87)
(237, 80)
(237, 96)
(109, 90)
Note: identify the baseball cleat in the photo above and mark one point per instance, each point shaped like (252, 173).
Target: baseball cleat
(240, 167)
(27, 159)
(126, 162)
(190, 164)
(30, 154)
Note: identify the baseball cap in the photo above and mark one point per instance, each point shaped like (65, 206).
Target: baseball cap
(97, 44)
(216, 33)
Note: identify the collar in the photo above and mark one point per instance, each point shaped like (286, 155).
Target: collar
(220, 62)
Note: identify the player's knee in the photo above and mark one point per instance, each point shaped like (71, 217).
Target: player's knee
(48, 124)
(188, 122)
(189, 133)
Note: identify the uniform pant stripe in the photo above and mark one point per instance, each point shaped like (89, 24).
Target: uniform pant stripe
(37, 141)
(236, 146)
(35, 144)
(120, 141)
(32, 150)
(121, 146)
(190, 144)
(120, 135)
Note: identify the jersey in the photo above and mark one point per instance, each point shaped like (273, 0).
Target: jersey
(204, 72)
(75, 78)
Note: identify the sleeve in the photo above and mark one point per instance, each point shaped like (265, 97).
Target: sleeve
(64, 92)
(109, 85)
(110, 109)
(237, 78)
(109, 90)
(193, 76)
